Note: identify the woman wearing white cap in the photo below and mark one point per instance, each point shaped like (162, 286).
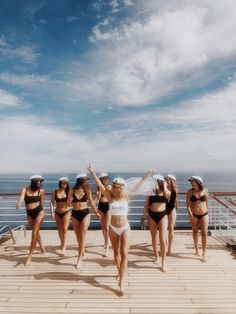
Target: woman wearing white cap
(155, 208)
(62, 213)
(80, 195)
(33, 197)
(197, 204)
(118, 198)
(103, 207)
(171, 208)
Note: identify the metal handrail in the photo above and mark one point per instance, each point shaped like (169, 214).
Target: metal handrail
(219, 217)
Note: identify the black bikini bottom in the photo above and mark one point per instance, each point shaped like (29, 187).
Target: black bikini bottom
(157, 216)
(80, 214)
(61, 215)
(200, 216)
(103, 207)
(33, 213)
(169, 210)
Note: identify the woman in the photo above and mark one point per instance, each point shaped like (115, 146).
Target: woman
(155, 211)
(171, 208)
(119, 229)
(33, 197)
(197, 204)
(62, 213)
(103, 207)
(80, 195)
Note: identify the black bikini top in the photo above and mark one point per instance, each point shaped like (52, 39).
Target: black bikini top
(60, 199)
(194, 198)
(77, 200)
(171, 203)
(157, 199)
(29, 199)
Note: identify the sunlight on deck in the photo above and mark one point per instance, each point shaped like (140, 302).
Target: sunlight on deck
(52, 285)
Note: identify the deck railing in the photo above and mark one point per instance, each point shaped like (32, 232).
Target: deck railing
(222, 214)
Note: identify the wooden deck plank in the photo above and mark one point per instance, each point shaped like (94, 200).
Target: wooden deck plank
(52, 285)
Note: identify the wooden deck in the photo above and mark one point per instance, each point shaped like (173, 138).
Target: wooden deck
(52, 285)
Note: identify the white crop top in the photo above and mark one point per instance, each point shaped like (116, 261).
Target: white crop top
(119, 208)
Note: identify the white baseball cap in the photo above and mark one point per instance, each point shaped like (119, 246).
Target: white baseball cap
(119, 181)
(37, 177)
(82, 175)
(64, 179)
(103, 175)
(170, 176)
(158, 177)
(196, 178)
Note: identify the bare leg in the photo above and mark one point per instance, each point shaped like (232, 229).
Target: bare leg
(204, 230)
(105, 222)
(39, 238)
(63, 225)
(35, 232)
(40, 242)
(195, 226)
(153, 226)
(59, 228)
(124, 248)
(115, 241)
(171, 225)
(163, 238)
(80, 229)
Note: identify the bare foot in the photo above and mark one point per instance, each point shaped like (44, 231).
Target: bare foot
(169, 253)
(78, 265)
(43, 251)
(106, 251)
(156, 260)
(204, 258)
(164, 269)
(28, 261)
(118, 277)
(197, 253)
(121, 288)
(63, 252)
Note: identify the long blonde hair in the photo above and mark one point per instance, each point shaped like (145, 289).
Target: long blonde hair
(173, 185)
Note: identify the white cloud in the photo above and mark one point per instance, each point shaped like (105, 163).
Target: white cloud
(26, 53)
(31, 143)
(9, 100)
(23, 79)
(170, 48)
(195, 136)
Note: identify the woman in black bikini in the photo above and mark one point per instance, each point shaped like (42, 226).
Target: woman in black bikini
(197, 204)
(103, 207)
(80, 195)
(33, 197)
(62, 213)
(155, 208)
(171, 208)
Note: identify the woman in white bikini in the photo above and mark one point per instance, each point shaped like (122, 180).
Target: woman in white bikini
(119, 230)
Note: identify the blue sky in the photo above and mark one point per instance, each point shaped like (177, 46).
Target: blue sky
(125, 84)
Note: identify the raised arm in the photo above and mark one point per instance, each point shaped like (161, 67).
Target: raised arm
(166, 191)
(99, 183)
(139, 184)
(21, 198)
(92, 204)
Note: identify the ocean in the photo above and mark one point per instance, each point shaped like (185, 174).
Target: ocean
(10, 183)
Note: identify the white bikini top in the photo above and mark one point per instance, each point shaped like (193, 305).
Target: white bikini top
(119, 208)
